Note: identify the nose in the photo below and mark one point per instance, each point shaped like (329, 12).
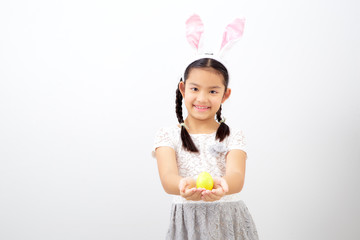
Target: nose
(202, 96)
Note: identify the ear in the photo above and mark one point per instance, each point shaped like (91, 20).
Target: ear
(182, 88)
(226, 95)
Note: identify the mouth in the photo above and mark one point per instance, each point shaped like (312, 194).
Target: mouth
(201, 108)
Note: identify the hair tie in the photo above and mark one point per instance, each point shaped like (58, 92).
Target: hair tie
(222, 121)
(183, 125)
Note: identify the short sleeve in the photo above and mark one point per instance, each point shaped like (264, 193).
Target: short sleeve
(162, 139)
(237, 141)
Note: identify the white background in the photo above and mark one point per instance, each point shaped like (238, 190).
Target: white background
(84, 85)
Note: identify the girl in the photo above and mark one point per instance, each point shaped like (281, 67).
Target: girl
(200, 143)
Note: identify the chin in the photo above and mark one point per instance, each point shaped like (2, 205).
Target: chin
(201, 118)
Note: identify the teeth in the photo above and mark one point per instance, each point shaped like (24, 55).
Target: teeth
(201, 107)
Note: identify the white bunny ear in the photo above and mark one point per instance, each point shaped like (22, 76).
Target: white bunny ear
(233, 32)
(194, 30)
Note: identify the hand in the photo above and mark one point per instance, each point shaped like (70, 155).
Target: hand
(188, 189)
(219, 190)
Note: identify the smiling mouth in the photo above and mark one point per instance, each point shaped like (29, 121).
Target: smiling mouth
(201, 108)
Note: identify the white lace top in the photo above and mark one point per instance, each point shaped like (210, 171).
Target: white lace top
(211, 156)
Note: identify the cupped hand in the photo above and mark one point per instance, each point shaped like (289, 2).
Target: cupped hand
(219, 190)
(188, 189)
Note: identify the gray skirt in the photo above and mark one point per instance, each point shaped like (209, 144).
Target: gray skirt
(217, 220)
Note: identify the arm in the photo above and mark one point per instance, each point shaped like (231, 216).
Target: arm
(171, 181)
(168, 171)
(235, 170)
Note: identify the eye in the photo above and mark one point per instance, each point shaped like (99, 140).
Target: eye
(194, 89)
(213, 92)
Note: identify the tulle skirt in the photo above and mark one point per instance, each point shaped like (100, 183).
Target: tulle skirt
(211, 220)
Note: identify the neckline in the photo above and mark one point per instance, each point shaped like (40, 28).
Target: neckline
(197, 134)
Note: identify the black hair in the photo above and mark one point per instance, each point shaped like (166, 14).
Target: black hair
(223, 131)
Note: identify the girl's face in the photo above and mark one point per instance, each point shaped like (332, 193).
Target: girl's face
(203, 93)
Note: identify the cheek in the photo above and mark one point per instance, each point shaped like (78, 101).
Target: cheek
(217, 100)
(188, 100)
(189, 96)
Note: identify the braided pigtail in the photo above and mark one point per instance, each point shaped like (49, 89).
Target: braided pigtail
(187, 142)
(223, 130)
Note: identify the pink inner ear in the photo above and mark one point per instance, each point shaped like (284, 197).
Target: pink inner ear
(233, 32)
(194, 30)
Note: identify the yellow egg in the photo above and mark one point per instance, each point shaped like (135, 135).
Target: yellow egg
(205, 180)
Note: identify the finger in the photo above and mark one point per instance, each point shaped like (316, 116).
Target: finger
(189, 192)
(217, 181)
(218, 184)
(214, 195)
(192, 194)
(199, 191)
(205, 197)
(219, 193)
(204, 192)
(221, 183)
(196, 196)
(208, 196)
(183, 184)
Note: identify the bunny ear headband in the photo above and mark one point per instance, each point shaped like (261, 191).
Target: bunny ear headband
(195, 30)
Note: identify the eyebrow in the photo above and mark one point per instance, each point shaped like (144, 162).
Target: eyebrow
(197, 85)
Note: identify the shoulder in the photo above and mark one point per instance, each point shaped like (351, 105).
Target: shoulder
(235, 133)
(166, 137)
(236, 139)
(168, 134)
(170, 131)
